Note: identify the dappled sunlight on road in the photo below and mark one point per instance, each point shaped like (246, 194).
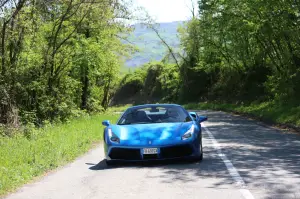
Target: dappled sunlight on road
(266, 158)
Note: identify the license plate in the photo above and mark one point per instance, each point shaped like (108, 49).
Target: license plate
(150, 151)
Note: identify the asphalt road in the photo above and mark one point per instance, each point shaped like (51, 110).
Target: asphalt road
(242, 159)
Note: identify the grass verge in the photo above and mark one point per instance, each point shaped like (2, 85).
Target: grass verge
(24, 157)
(283, 115)
(120, 108)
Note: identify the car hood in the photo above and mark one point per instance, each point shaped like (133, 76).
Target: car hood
(143, 133)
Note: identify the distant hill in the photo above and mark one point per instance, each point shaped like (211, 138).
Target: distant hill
(150, 46)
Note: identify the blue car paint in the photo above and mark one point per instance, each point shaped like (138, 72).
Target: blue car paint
(194, 113)
(153, 135)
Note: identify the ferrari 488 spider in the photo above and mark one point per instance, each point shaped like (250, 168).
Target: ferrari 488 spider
(154, 132)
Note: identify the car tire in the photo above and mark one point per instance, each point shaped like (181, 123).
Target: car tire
(200, 158)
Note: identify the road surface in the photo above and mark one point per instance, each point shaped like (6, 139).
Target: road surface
(242, 159)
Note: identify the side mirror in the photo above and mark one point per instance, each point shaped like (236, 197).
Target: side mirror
(202, 119)
(194, 115)
(106, 123)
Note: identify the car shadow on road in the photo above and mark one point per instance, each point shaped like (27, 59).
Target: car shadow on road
(103, 166)
(211, 167)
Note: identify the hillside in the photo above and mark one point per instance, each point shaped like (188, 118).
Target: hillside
(150, 46)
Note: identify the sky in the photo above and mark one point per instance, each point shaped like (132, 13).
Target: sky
(167, 10)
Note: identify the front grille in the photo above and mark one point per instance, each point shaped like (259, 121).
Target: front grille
(176, 151)
(150, 156)
(125, 154)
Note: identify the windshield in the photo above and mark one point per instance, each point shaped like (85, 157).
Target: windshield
(155, 114)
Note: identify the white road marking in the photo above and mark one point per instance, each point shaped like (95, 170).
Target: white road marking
(232, 170)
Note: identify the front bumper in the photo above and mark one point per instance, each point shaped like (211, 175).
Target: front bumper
(164, 153)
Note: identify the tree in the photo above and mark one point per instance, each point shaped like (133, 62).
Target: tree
(12, 37)
(56, 54)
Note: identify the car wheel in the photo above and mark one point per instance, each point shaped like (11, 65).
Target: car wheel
(201, 155)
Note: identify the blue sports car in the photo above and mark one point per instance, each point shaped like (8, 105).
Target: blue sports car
(154, 132)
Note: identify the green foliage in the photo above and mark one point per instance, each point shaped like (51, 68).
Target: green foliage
(241, 51)
(130, 86)
(155, 81)
(271, 111)
(58, 58)
(36, 151)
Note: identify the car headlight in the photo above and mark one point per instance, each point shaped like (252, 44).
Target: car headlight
(189, 133)
(113, 137)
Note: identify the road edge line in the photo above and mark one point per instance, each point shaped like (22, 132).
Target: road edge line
(231, 169)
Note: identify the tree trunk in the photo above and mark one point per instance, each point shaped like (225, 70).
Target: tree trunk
(85, 79)
(104, 103)
(85, 87)
(3, 67)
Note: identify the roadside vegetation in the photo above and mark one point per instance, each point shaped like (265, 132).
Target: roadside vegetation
(282, 115)
(59, 64)
(60, 59)
(32, 152)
